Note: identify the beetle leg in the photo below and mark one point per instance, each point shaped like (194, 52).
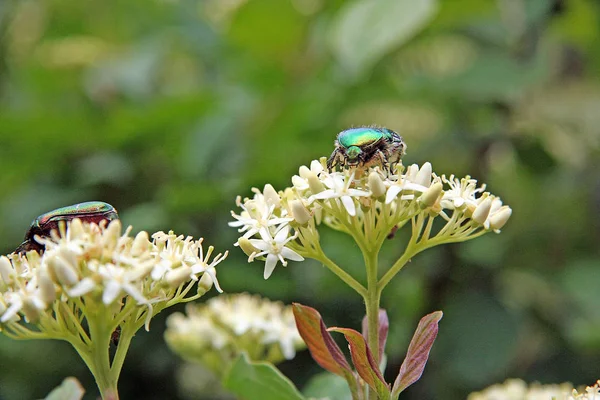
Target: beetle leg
(383, 160)
(335, 159)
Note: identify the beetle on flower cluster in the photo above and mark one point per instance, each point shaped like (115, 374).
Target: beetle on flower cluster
(93, 280)
(367, 146)
(43, 225)
(372, 195)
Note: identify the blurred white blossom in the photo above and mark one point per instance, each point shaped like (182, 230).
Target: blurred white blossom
(216, 332)
(516, 389)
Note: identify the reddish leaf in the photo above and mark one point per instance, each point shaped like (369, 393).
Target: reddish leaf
(364, 363)
(319, 342)
(418, 352)
(383, 326)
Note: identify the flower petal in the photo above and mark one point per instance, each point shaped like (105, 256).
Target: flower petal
(270, 265)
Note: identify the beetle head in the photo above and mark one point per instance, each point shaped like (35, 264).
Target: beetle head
(353, 154)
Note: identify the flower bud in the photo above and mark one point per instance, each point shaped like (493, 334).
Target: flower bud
(76, 228)
(177, 276)
(2, 307)
(431, 195)
(500, 217)
(304, 171)
(6, 270)
(64, 272)
(205, 283)
(411, 172)
(46, 285)
(112, 233)
(271, 195)
(299, 211)
(32, 313)
(247, 246)
(314, 183)
(482, 211)
(423, 177)
(140, 244)
(376, 185)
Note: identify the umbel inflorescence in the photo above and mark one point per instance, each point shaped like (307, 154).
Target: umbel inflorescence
(86, 267)
(516, 389)
(217, 332)
(94, 285)
(368, 204)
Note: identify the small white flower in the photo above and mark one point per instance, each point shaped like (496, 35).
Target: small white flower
(339, 188)
(200, 265)
(308, 176)
(462, 193)
(118, 280)
(274, 249)
(256, 214)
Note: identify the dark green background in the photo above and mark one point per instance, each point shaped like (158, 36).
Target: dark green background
(168, 109)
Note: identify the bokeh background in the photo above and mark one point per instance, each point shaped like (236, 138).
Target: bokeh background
(168, 109)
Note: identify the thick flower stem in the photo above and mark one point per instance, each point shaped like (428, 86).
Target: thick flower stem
(100, 358)
(372, 300)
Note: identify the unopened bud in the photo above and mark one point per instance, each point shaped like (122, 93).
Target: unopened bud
(76, 228)
(113, 231)
(271, 195)
(247, 246)
(141, 243)
(177, 276)
(46, 285)
(423, 177)
(500, 217)
(6, 270)
(64, 272)
(315, 185)
(376, 185)
(299, 211)
(482, 211)
(32, 313)
(411, 172)
(206, 282)
(431, 195)
(304, 171)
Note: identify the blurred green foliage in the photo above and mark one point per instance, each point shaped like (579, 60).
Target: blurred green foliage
(168, 109)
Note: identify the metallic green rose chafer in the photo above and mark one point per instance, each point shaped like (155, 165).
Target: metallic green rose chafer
(367, 146)
(91, 211)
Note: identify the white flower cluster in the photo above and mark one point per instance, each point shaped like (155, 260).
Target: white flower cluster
(368, 204)
(86, 267)
(516, 389)
(227, 325)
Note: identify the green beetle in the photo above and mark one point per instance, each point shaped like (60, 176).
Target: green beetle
(367, 146)
(91, 211)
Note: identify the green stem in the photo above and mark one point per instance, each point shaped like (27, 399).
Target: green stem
(398, 265)
(343, 275)
(100, 359)
(126, 335)
(372, 300)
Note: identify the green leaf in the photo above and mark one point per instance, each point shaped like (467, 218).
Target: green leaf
(418, 352)
(364, 363)
(366, 30)
(259, 381)
(327, 385)
(69, 389)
